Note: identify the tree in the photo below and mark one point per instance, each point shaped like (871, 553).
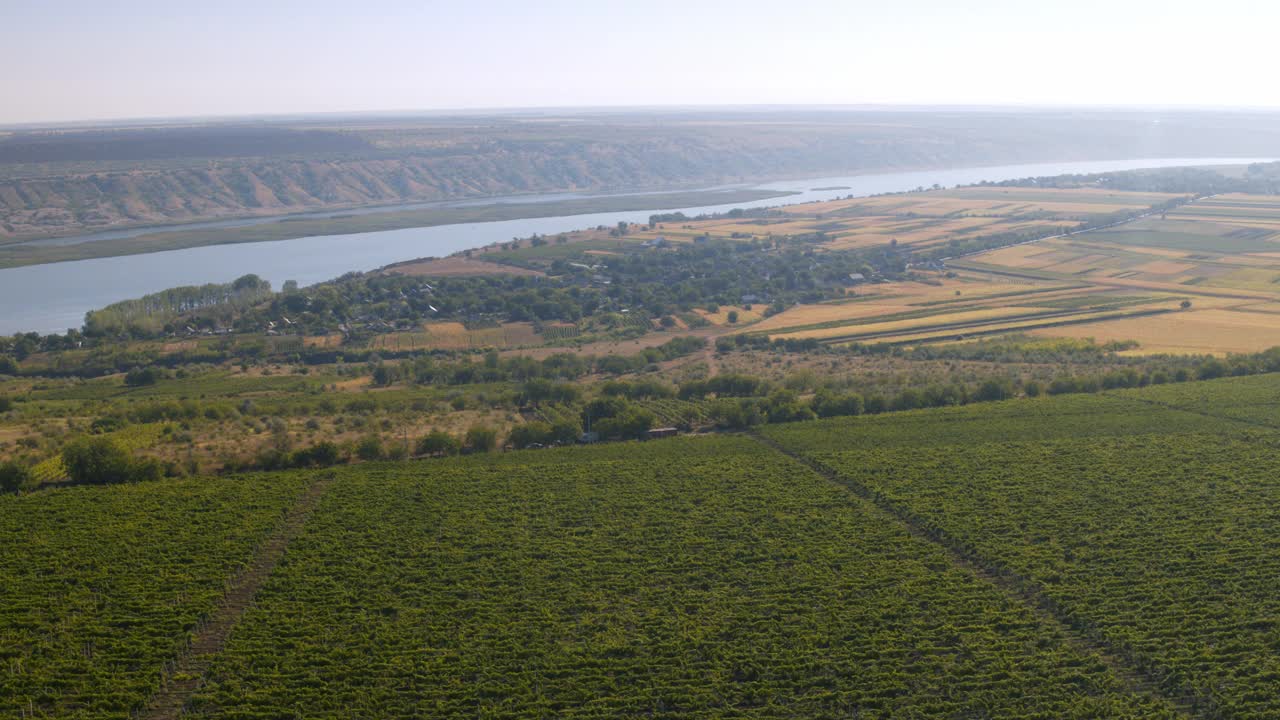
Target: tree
(631, 424)
(565, 432)
(322, 454)
(102, 460)
(1185, 304)
(438, 442)
(140, 377)
(14, 476)
(370, 448)
(733, 317)
(994, 390)
(8, 366)
(480, 439)
(530, 433)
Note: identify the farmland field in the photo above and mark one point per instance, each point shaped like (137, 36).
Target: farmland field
(696, 578)
(1220, 253)
(1154, 534)
(100, 587)
(1072, 556)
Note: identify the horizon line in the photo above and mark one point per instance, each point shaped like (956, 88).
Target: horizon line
(514, 110)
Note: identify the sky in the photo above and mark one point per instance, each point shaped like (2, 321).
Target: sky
(63, 60)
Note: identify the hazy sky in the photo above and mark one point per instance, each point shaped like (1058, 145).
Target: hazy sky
(78, 59)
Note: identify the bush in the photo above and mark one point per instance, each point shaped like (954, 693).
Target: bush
(370, 448)
(322, 454)
(565, 432)
(994, 390)
(438, 442)
(8, 366)
(480, 439)
(140, 377)
(631, 424)
(531, 433)
(106, 424)
(6, 404)
(102, 460)
(14, 476)
(829, 405)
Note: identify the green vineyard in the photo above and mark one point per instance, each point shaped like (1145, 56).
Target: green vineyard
(100, 587)
(697, 578)
(1114, 555)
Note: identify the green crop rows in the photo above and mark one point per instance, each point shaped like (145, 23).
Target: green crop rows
(686, 578)
(100, 586)
(1162, 542)
(670, 411)
(1046, 418)
(698, 577)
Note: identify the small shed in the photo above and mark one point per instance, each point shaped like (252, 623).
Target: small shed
(664, 432)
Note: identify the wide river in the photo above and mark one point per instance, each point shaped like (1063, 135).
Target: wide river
(54, 297)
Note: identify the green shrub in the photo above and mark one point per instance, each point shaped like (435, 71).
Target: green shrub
(14, 476)
(438, 442)
(102, 460)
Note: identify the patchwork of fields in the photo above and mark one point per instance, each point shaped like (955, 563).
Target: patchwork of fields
(1222, 253)
(1076, 556)
(1201, 278)
(922, 220)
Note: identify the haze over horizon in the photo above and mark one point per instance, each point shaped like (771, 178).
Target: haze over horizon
(74, 60)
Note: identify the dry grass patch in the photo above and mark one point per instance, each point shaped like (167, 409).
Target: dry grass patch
(1197, 331)
(1165, 267)
(457, 266)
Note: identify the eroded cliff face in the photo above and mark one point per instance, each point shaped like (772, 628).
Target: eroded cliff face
(65, 182)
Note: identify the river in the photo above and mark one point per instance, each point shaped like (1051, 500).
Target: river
(54, 297)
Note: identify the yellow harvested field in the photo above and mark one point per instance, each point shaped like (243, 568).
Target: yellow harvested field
(1259, 279)
(1263, 307)
(812, 314)
(987, 329)
(913, 323)
(323, 341)
(745, 317)
(456, 265)
(1079, 265)
(1165, 267)
(1208, 331)
(1019, 256)
(455, 336)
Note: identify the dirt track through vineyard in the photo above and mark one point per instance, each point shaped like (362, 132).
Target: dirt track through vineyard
(1019, 588)
(188, 670)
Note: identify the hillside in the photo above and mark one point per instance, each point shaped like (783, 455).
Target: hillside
(63, 182)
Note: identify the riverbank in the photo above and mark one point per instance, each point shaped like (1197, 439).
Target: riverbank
(19, 255)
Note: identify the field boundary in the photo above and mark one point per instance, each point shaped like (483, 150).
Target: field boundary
(1076, 634)
(185, 674)
(982, 327)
